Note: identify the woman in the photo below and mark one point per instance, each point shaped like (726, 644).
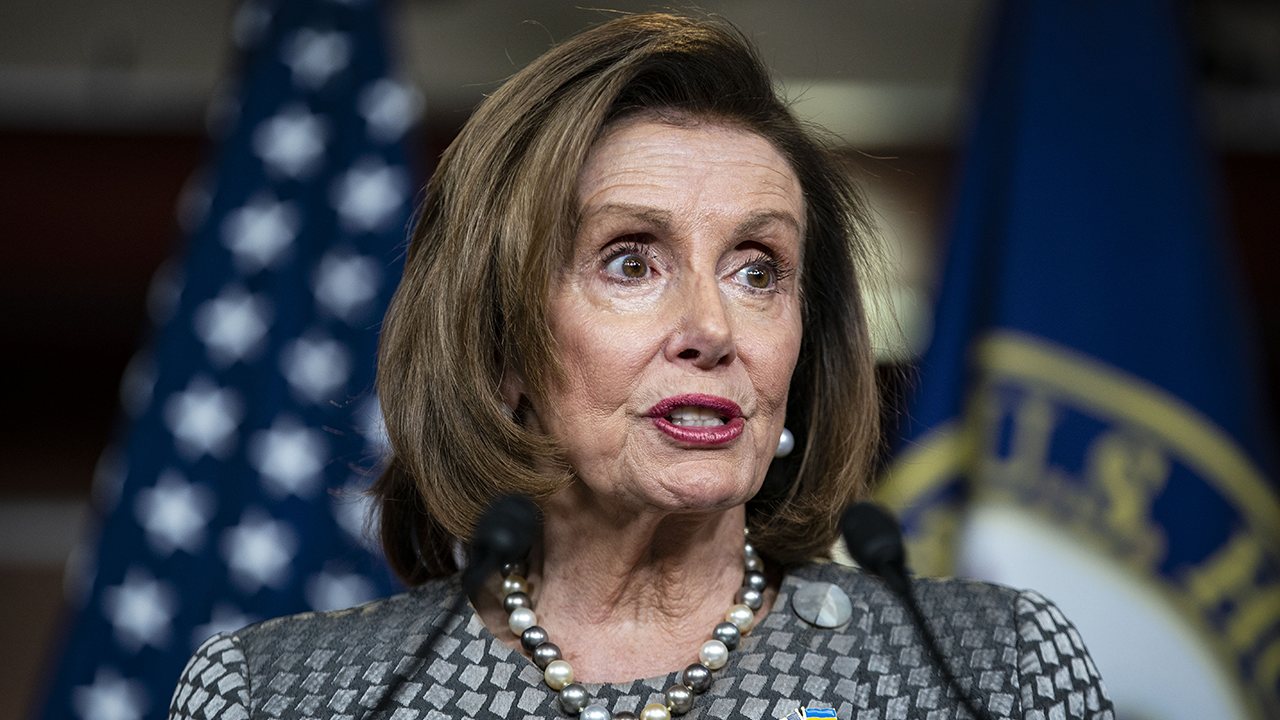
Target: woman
(632, 270)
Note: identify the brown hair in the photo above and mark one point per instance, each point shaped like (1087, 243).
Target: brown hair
(496, 225)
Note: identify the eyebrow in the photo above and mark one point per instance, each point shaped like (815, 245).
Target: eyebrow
(760, 220)
(651, 216)
(661, 219)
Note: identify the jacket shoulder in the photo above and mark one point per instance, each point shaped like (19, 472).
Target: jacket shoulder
(360, 634)
(942, 595)
(284, 666)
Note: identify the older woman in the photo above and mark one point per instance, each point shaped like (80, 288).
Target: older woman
(633, 273)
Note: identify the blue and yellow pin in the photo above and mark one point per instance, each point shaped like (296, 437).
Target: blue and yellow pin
(808, 714)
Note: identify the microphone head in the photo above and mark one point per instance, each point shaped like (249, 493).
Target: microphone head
(506, 528)
(503, 535)
(874, 540)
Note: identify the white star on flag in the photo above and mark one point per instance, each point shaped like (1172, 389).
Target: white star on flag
(258, 551)
(316, 367)
(291, 142)
(110, 697)
(315, 55)
(373, 427)
(260, 231)
(290, 457)
(389, 108)
(225, 618)
(346, 284)
(367, 195)
(203, 419)
(174, 513)
(352, 508)
(233, 325)
(336, 591)
(140, 610)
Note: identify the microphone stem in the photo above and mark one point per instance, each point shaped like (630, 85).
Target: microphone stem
(907, 595)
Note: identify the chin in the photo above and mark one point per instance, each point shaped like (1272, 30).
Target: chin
(692, 491)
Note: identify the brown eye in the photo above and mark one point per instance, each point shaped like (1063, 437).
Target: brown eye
(631, 266)
(756, 276)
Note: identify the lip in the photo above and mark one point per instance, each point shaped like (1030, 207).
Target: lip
(717, 435)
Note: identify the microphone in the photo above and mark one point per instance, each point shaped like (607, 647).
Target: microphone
(503, 535)
(874, 539)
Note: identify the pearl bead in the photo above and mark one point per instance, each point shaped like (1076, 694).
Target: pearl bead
(750, 597)
(558, 674)
(573, 697)
(755, 580)
(595, 712)
(753, 564)
(750, 550)
(514, 584)
(713, 654)
(741, 616)
(786, 443)
(521, 619)
(655, 711)
(532, 637)
(679, 699)
(545, 653)
(697, 677)
(624, 715)
(515, 568)
(515, 600)
(727, 633)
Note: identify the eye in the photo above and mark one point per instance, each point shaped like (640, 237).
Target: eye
(629, 261)
(760, 277)
(628, 266)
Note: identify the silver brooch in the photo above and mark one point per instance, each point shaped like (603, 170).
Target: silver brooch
(822, 604)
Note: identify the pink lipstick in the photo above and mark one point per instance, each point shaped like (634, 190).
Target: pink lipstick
(698, 419)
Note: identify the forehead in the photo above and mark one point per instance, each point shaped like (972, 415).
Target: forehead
(720, 168)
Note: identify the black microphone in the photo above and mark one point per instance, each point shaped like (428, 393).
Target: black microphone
(503, 535)
(874, 539)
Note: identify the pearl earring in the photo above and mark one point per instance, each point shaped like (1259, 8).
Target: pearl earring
(786, 443)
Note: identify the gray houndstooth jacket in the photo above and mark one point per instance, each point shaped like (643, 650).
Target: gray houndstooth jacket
(1013, 651)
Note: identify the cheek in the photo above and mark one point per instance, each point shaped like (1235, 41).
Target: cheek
(603, 360)
(775, 348)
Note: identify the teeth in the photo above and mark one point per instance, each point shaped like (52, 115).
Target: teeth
(695, 416)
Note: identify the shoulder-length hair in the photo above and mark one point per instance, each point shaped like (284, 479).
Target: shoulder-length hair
(497, 224)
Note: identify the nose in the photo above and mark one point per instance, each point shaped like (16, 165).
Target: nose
(703, 335)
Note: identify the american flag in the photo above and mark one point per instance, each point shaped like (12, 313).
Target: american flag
(251, 429)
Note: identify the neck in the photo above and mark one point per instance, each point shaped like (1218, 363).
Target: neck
(631, 594)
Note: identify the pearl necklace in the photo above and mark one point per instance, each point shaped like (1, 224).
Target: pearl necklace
(695, 680)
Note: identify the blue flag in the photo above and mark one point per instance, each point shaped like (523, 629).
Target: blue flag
(1089, 400)
(235, 492)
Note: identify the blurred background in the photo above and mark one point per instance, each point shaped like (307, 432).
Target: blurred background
(103, 113)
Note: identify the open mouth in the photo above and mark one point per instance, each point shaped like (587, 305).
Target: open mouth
(695, 416)
(698, 419)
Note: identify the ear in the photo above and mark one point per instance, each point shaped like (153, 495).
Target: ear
(510, 390)
(514, 391)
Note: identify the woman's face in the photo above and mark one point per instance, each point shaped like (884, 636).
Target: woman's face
(678, 316)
